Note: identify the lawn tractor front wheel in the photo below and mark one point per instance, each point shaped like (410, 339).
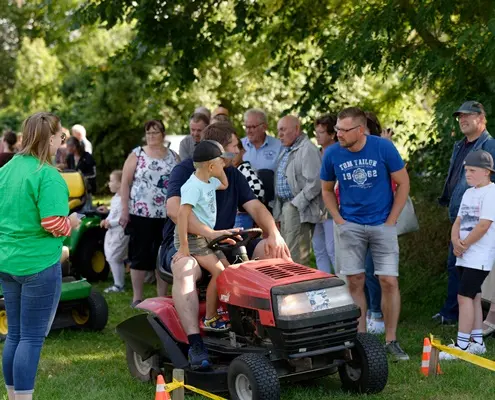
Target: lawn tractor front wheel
(140, 369)
(253, 377)
(89, 258)
(367, 371)
(92, 313)
(4, 327)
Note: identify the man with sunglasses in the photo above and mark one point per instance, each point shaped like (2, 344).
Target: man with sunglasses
(471, 116)
(364, 167)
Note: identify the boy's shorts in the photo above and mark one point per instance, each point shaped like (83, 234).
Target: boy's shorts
(198, 246)
(470, 281)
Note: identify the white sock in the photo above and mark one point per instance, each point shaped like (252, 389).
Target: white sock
(118, 272)
(463, 340)
(477, 336)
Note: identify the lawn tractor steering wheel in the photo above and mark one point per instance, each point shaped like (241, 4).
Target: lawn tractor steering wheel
(246, 235)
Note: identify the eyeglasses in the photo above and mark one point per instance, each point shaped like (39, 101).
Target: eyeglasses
(338, 129)
(465, 115)
(154, 133)
(248, 127)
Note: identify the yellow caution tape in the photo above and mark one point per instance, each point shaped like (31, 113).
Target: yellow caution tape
(464, 355)
(175, 384)
(202, 392)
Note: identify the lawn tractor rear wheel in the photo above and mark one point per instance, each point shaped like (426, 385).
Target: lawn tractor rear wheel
(89, 258)
(367, 372)
(139, 368)
(253, 377)
(92, 313)
(4, 327)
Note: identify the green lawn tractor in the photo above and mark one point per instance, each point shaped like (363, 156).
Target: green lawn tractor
(87, 258)
(80, 307)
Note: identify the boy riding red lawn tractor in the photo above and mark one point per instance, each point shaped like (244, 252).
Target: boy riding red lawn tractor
(289, 323)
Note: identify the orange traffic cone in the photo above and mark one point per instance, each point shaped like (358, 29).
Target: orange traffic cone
(161, 394)
(425, 360)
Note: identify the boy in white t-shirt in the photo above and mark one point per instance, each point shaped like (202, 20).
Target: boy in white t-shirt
(473, 238)
(198, 196)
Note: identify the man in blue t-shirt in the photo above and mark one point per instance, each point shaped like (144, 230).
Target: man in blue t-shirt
(186, 271)
(364, 167)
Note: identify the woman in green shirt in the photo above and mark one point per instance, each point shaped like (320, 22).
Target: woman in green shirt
(33, 223)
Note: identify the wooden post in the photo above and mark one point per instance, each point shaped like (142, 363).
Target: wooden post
(433, 367)
(178, 375)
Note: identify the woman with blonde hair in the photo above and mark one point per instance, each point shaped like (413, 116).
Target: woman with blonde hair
(33, 223)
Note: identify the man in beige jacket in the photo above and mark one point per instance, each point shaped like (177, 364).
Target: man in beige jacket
(298, 203)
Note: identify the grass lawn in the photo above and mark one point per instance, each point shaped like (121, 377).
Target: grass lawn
(80, 365)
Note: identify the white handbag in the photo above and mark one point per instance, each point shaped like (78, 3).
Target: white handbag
(407, 222)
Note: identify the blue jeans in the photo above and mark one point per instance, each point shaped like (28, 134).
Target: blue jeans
(31, 303)
(450, 308)
(324, 246)
(243, 220)
(372, 289)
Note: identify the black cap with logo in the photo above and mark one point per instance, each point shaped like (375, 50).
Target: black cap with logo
(208, 150)
(470, 107)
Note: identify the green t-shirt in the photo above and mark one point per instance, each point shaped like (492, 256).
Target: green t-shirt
(28, 193)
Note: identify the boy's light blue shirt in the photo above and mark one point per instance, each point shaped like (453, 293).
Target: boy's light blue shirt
(201, 196)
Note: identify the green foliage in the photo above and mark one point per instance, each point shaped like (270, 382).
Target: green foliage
(36, 78)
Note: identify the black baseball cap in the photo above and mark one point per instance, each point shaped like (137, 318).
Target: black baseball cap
(470, 107)
(208, 150)
(480, 159)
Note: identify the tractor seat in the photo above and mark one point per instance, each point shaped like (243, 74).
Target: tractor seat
(164, 261)
(77, 189)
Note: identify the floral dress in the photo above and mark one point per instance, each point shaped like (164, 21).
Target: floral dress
(149, 186)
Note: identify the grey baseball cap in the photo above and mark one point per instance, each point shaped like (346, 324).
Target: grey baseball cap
(480, 159)
(470, 107)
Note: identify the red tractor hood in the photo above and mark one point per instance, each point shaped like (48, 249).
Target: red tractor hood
(249, 284)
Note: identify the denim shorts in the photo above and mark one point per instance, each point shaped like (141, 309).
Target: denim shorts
(354, 241)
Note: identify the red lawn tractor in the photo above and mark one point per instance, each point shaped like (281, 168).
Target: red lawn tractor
(289, 323)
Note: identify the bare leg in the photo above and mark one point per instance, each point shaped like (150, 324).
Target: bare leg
(23, 397)
(214, 266)
(466, 314)
(356, 287)
(10, 393)
(137, 279)
(161, 285)
(390, 305)
(186, 272)
(491, 315)
(478, 313)
(259, 251)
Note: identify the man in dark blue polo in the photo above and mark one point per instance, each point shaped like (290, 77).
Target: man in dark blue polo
(186, 271)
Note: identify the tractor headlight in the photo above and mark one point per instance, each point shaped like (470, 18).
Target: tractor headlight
(313, 301)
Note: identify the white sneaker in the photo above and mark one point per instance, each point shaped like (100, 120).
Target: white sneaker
(448, 356)
(114, 289)
(476, 348)
(375, 327)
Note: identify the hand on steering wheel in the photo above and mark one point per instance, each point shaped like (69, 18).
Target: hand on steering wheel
(234, 239)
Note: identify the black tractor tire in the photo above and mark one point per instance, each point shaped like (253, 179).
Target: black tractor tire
(89, 258)
(141, 370)
(367, 372)
(92, 314)
(4, 328)
(252, 377)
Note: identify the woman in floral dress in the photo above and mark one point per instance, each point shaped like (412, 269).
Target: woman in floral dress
(145, 179)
